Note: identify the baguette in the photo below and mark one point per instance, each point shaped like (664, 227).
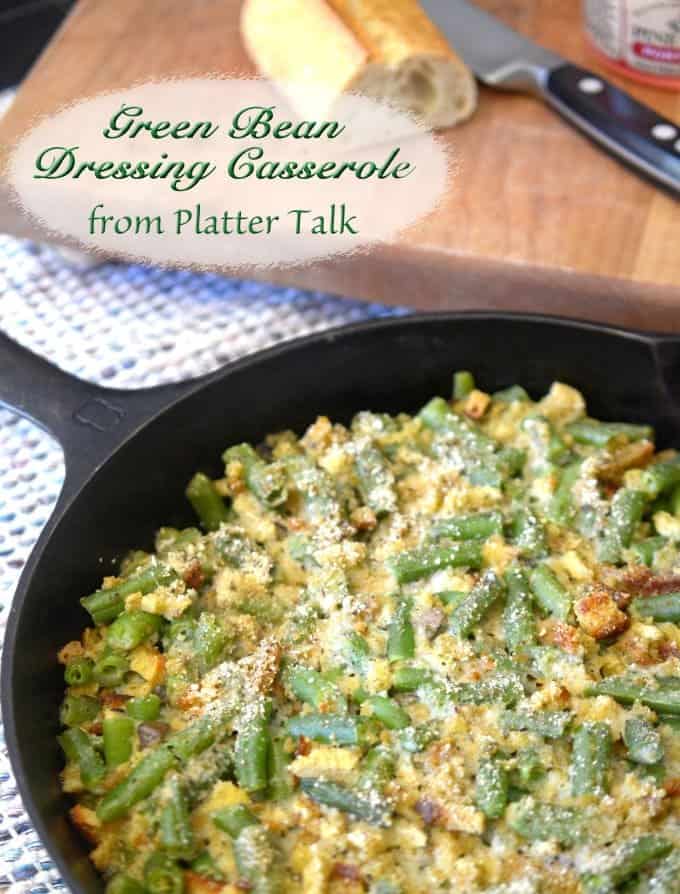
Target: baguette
(385, 49)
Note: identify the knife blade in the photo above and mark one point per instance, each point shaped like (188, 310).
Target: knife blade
(503, 58)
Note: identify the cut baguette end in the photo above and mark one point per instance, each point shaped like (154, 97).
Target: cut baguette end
(431, 88)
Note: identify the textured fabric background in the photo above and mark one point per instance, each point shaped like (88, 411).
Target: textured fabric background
(125, 326)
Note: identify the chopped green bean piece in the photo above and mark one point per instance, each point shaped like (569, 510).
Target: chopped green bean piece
(538, 821)
(330, 794)
(491, 793)
(470, 612)
(418, 563)
(664, 608)
(388, 712)
(476, 526)
(549, 592)
(592, 745)
(463, 384)
(626, 860)
(208, 504)
(642, 741)
(401, 642)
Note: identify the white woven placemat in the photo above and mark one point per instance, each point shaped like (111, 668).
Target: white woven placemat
(125, 326)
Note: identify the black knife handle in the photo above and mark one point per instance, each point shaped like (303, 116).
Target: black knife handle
(631, 131)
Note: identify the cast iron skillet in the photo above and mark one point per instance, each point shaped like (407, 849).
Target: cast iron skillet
(129, 455)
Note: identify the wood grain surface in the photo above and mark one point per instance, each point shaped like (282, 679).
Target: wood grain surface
(537, 218)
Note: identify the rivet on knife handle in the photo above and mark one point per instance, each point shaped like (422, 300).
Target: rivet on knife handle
(630, 130)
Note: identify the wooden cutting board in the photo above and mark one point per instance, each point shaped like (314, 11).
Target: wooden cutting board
(538, 219)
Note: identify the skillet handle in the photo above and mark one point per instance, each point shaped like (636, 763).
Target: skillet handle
(89, 421)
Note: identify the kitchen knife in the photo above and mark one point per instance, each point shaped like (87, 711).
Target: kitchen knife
(501, 57)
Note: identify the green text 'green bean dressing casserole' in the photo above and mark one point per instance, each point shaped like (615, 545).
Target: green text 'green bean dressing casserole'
(416, 654)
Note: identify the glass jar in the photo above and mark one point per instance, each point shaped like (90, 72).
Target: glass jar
(638, 38)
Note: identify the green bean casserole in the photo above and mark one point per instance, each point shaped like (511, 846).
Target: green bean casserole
(416, 654)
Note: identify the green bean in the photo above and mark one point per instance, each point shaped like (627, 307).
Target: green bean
(376, 480)
(451, 598)
(626, 512)
(377, 768)
(78, 672)
(660, 477)
(591, 756)
(561, 509)
(388, 712)
(417, 738)
(252, 751)
(660, 697)
(314, 689)
(659, 608)
(663, 878)
(401, 641)
(491, 791)
(146, 776)
(627, 860)
(548, 724)
(538, 821)
(316, 487)
(475, 526)
(124, 884)
(180, 633)
(131, 628)
(77, 709)
(117, 733)
(207, 503)
(510, 395)
(357, 651)
(408, 679)
(162, 875)
(170, 540)
(503, 687)
(252, 848)
(209, 641)
(194, 739)
(642, 741)
(519, 625)
(110, 669)
(529, 769)
(599, 434)
(529, 535)
(145, 708)
(645, 550)
(511, 461)
(439, 416)
(104, 606)
(175, 831)
(79, 748)
(418, 563)
(205, 865)
(547, 443)
(279, 782)
(466, 616)
(233, 820)
(256, 860)
(463, 384)
(267, 481)
(336, 729)
(549, 592)
(366, 807)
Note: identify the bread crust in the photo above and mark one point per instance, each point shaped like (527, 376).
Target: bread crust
(393, 30)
